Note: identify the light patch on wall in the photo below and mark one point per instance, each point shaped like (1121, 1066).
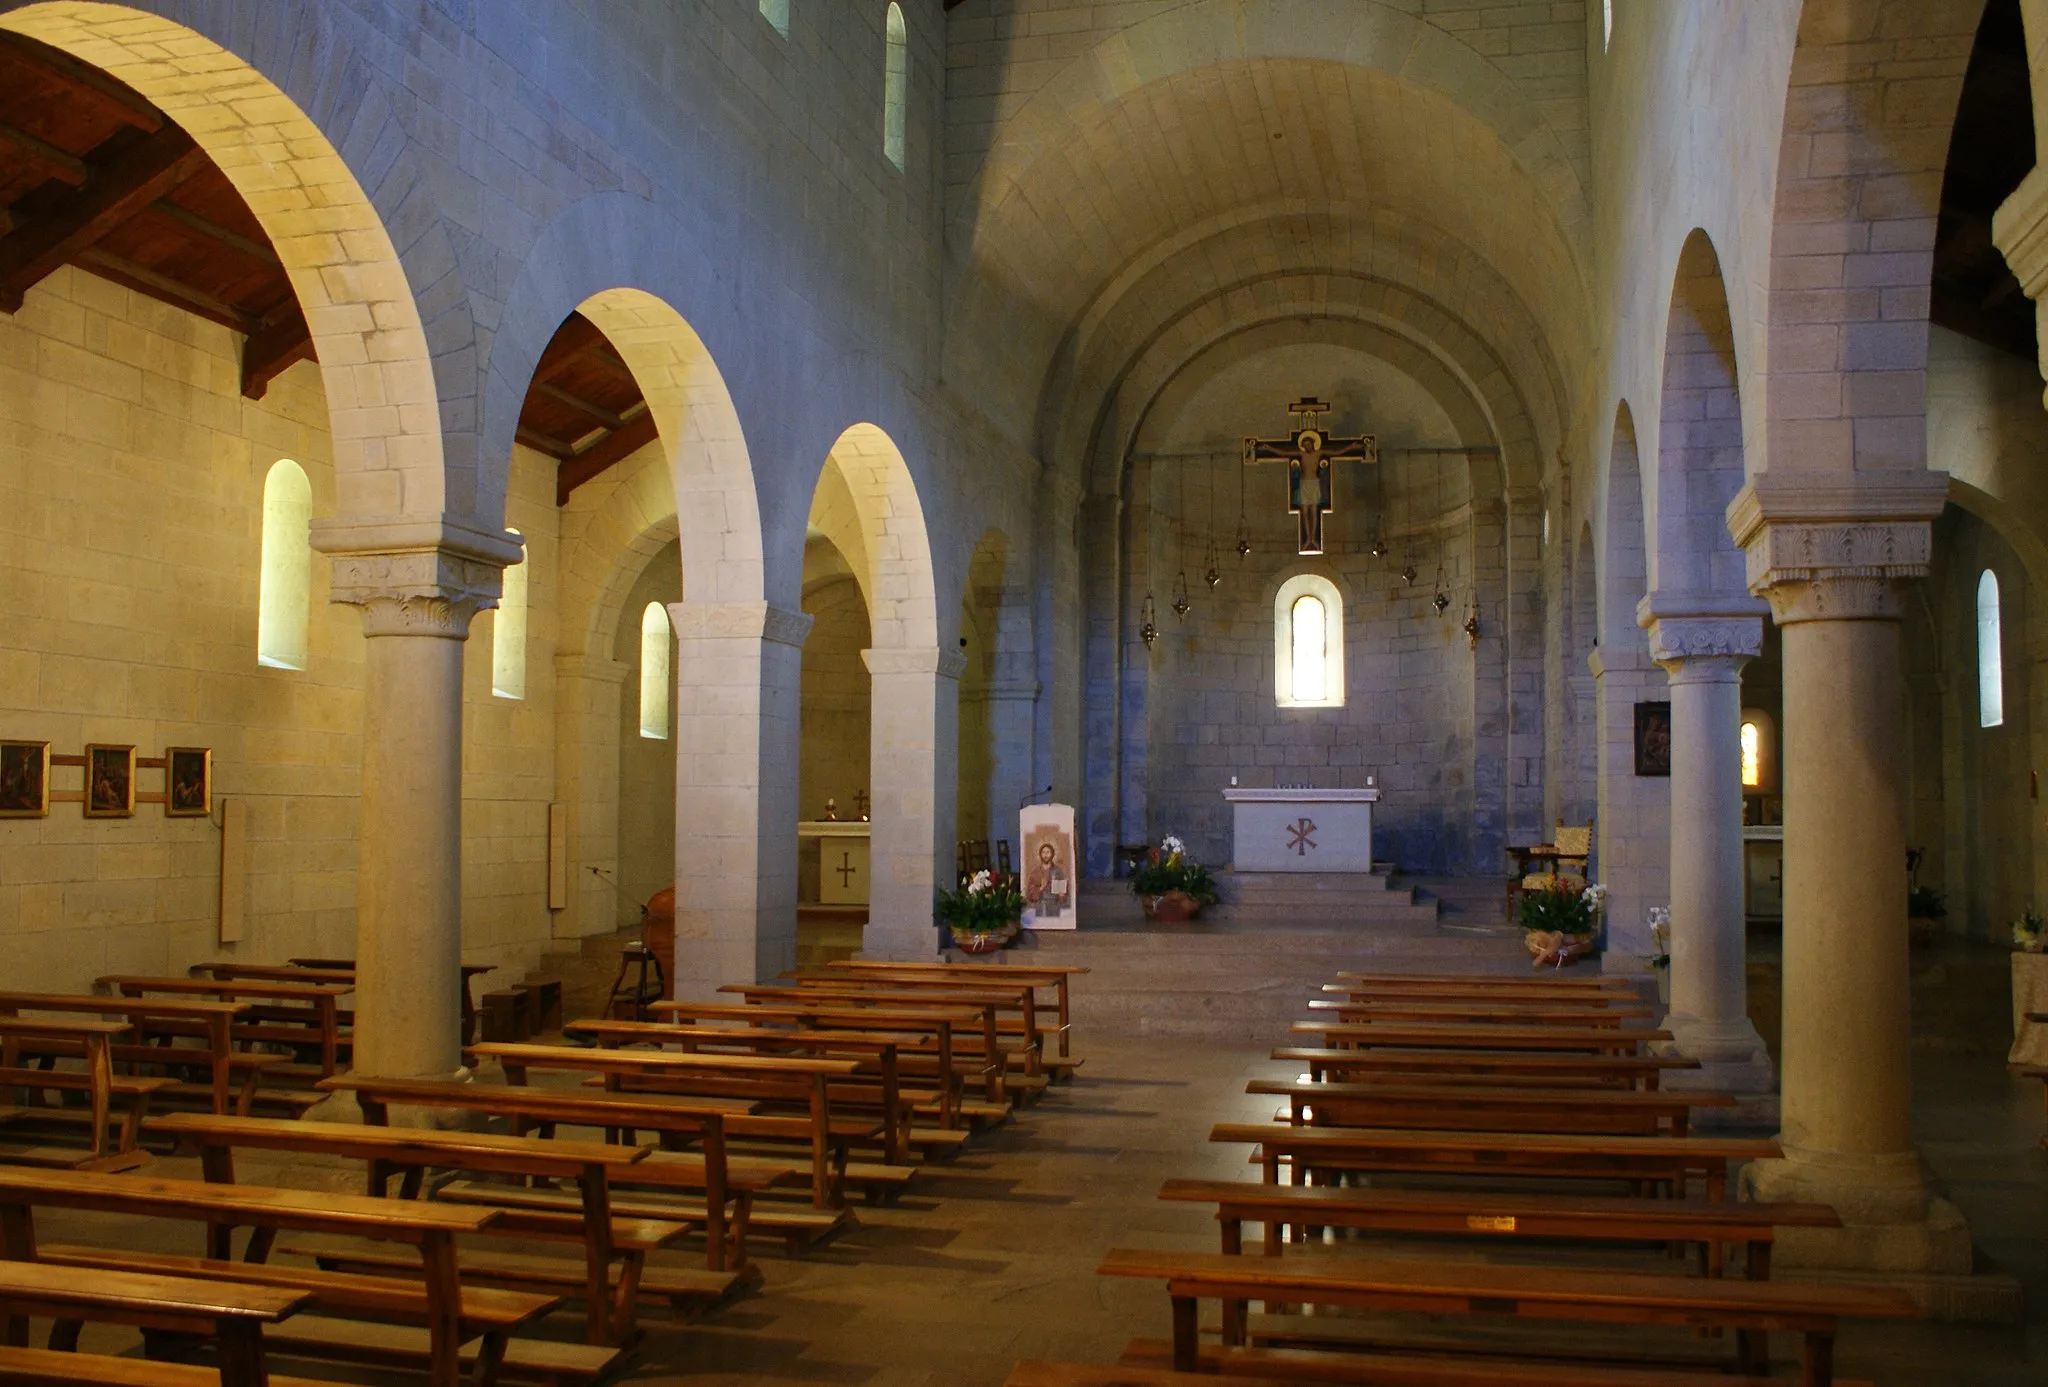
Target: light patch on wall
(508, 635)
(654, 682)
(1606, 24)
(1990, 657)
(1752, 756)
(1308, 643)
(776, 12)
(895, 87)
(284, 587)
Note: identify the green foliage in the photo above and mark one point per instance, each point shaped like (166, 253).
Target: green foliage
(2027, 931)
(1168, 867)
(986, 902)
(1564, 908)
(1926, 903)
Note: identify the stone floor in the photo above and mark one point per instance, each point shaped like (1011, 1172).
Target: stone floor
(992, 1257)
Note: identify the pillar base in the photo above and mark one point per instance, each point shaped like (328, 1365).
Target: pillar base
(1890, 1221)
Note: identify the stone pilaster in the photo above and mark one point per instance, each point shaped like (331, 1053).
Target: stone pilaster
(587, 712)
(916, 743)
(417, 585)
(739, 669)
(1702, 655)
(1833, 553)
(1633, 811)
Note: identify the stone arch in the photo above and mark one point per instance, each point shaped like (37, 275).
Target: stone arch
(914, 734)
(1699, 438)
(1852, 235)
(383, 407)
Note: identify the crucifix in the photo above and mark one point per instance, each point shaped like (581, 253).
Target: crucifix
(1308, 453)
(845, 869)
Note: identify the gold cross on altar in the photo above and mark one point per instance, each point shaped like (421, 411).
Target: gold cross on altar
(1308, 453)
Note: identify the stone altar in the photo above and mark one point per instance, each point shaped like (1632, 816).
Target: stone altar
(1301, 830)
(842, 859)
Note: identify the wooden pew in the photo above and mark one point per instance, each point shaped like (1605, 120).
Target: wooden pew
(1419, 1036)
(884, 1092)
(1015, 1000)
(1707, 1224)
(335, 971)
(989, 1004)
(94, 1039)
(451, 1315)
(1058, 976)
(163, 1018)
(279, 1012)
(1479, 1011)
(777, 1078)
(1672, 1160)
(41, 1367)
(411, 1152)
(1525, 993)
(1472, 1108)
(941, 1024)
(232, 1316)
(1463, 984)
(1752, 1308)
(1147, 1359)
(619, 1116)
(1486, 1067)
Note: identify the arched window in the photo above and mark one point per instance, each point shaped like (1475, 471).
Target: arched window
(654, 638)
(1308, 643)
(776, 12)
(508, 635)
(895, 86)
(1752, 756)
(1990, 659)
(284, 611)
(1606, 24)
(1759, 743)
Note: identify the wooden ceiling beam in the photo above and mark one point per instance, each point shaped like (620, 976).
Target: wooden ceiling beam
(616, 446)
(214, 231)
(572, 339)
(544, 443)
(144, 280)
(66, 168)
(272, 348)
(582, 406)
(125, 104)
(116, 191)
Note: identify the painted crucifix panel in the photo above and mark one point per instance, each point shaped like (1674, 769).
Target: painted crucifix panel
(1310, 453)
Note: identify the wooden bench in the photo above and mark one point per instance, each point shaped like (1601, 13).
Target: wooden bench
(411, 1152)
(1644, 1160)
(989, 1042)
(1462, 984)
(303, 1015)
(1146, 1360)
(618, 1116)
(451, 1314)
(1751, 1308)
(1473, 1108)
(1058, 976)
(166, 1019)
(334, 971)
(1549, 994)
(1479, 1011)
(232, 1316)
(788, 1079)
(952, 1071)
(103, 1090)
(1395, 1035)
(1706, 1224)
(1013, 994)
(1539, 1068)
(41, 1367)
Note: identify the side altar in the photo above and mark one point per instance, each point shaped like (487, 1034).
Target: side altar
(1301, 830)
(843, 858)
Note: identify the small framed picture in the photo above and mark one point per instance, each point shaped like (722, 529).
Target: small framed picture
(188, 781)
(1653, 739)
(24, 780)
(109, 781)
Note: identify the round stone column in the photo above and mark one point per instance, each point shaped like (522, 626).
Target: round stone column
(1709, 1018)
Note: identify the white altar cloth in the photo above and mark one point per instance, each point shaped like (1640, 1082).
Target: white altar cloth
(1301, 830)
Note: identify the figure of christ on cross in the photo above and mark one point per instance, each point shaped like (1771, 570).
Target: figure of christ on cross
(1309, 453)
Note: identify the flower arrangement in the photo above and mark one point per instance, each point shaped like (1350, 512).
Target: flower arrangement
(2030, 932)
(983, 913)
(1558, 918)
(1169, 868)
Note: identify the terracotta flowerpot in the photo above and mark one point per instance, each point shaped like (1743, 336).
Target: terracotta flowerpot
(1173, 908)
(983, 941)
(1549, 948)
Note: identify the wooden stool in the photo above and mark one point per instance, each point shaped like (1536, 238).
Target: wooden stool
(642, 992)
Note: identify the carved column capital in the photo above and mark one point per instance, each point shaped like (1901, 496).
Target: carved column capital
(762, 621)
(946, 664)
(415, 577)
(2020, 230)
(1705, 648)
(1837, 547)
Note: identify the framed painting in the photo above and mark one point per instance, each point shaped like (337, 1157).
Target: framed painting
(24, 780)
(188, 782)
(1653, 739)
(109, 781)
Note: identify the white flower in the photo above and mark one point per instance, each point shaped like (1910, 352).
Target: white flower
(1594, 893)
(978, 883)
(1170, 845)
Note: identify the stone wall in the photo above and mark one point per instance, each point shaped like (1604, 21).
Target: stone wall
(647, 767)
(834, 757)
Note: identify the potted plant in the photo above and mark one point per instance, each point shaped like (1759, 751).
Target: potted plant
(1559, 919)
(2030, 932)
(1925, 910)
(1171, 884)
(1660, 940)
(984, 914)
